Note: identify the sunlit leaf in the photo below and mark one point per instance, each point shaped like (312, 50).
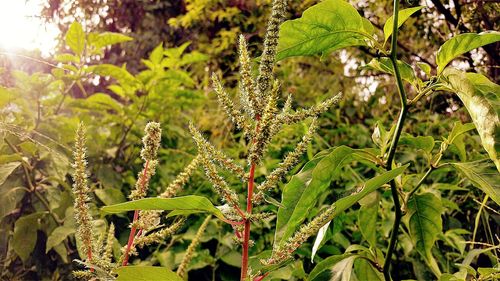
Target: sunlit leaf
(385, 65)
(403, 15)
(319, 238)
(145, 273)
(187, 203)
(327, 26)
(75, 38)
(107, 38)
(481, 98)
(463, 43)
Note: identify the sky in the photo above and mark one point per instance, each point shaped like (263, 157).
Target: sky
(22, 28)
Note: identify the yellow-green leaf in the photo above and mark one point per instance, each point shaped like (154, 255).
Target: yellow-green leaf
(403, 15)
(75, 38)
(145, 273)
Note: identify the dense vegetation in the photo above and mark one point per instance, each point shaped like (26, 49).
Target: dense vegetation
(162, 145)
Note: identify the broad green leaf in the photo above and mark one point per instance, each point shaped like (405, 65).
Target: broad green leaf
(188, 203)
(119, 73)
(103, 100)
(75, 38)
(483, 176)
(463, 43)
(58, 236)
(327, 26)
(403, 15)
(459, 129)
(107, 38)
(145, 273)
(425, 68)
(6, 96)
(7, 169)
(319, 238)
(425, 143)
(110, 196)
(424, 211)
(25, 235)
(322, 271)
(65, 58)
(481, 98)
(367, 218)
(385, 65)
(9, 197)
(364, 271)
(370, 186)
(157, 54)
(301, 192)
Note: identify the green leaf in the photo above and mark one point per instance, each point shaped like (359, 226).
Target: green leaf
(304, 189)
(58, 236)
(426, 68)
(367, 218)
(6, 170)
(157, 54)
(322, 270)
(75, 38)
(145, 273)
(319, 238)
(25, 235)
(119, 73)
(483, 176)
(424, 211)
(425, 143)
(403, 15)
(107, 38)
(481, 98)
(189, 203)
(461, 44)
(65, 58)
(459, 129)
(385, 65)
(365, 271)
(103, 100)
(9, 199)
(327, 26)
(110, 196)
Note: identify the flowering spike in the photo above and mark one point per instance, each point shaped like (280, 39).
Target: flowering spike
(110, 239)
(270, 46)
(181, 270)
(284, 252)
(249, 98)
(80, 191)
(158, 236)
(290, 160)
(217, 155)
(218, 182)
(314, 111)
(228, 105)
(151, 141)
(181, 179)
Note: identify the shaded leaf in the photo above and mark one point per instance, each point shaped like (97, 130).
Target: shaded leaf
(58, 236)
(327, 26)
(7, 169)
(187, 203)
(463, 43)
(145, 273)
(9, 199)
(25, 235)
(425, 143)
(110, 196)
(403, 15)
(424, 211)
(483, 176)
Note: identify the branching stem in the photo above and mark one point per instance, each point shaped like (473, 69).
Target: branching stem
(394, 143)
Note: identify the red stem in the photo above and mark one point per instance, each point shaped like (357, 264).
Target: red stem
(89, 257)
(136, 217)
(246, 235)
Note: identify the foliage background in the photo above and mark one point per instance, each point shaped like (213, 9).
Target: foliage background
(40, 109)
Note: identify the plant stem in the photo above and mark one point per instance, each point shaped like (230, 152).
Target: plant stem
(246, 234)
(131, 237)
(394, 143)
